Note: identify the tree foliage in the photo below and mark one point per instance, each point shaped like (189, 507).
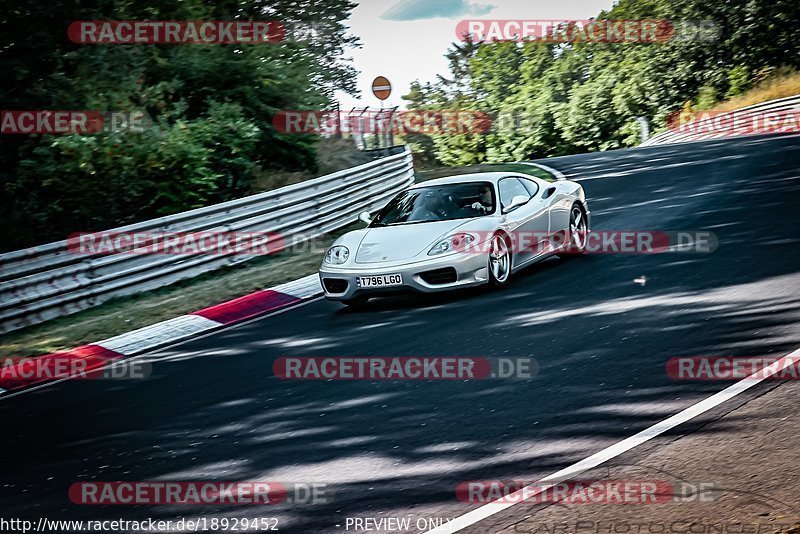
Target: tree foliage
(210, 107)
(551, 99)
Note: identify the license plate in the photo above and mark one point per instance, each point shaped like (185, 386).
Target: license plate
(380, 280)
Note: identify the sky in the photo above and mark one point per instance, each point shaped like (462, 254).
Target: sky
(406, 40)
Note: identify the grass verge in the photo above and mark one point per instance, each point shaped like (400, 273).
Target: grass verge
(779, 86)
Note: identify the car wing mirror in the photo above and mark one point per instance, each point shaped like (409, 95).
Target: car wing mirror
(516, 202)
(365, 217)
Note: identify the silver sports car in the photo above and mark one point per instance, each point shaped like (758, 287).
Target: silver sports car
(456, 232)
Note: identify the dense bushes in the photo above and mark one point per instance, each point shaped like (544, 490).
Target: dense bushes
(209, 109)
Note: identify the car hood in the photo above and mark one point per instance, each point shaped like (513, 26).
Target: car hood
(404, 241)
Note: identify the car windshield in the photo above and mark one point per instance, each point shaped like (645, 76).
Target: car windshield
(438, 203)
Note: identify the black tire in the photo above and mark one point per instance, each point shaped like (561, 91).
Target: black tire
(499, 268)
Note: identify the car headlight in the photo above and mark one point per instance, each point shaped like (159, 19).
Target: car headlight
(337, 255)
(453, 243)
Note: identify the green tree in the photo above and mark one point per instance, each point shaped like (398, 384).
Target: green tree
(558, 99)
(211, 108)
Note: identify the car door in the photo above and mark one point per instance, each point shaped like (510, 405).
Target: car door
(529, 224)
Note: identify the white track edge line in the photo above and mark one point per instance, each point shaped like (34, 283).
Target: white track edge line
(487, 510)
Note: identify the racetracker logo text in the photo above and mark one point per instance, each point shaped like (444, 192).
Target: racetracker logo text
(600, 242)
(735, 122)
(180, 243)
(584, 492)
(733, 368)
(57, 366)
(64, 122)
(427, 122)
(402, 368)
(586, 31)
(128, 32)
(198, 493)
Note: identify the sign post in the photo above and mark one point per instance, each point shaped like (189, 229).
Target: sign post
(381, 88)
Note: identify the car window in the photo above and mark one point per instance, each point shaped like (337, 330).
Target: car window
(438, 203)
(509, 188)
(530, 185)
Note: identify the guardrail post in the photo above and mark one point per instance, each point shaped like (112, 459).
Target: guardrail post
(644, 128)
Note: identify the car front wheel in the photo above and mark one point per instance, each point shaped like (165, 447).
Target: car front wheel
(577, 234)
(499, 261)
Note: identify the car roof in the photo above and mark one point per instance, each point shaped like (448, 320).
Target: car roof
(466, 178)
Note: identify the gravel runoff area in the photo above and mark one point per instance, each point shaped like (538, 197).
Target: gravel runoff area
(743, 467)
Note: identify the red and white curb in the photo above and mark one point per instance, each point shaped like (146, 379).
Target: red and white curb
(49, 367)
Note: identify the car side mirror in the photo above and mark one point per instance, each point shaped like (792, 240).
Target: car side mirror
(516, 202)
(364, 217)
(549, 192)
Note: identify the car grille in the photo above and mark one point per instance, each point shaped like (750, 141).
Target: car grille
(335, 285)
(446, 275)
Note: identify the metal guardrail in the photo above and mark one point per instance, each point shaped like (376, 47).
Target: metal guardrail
(41, 283)
(386, 151)
(725, 121)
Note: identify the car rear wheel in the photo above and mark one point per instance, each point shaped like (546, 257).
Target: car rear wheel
(499, 261)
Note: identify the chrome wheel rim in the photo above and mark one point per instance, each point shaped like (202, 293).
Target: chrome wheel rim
(499, 259)
(577, 229)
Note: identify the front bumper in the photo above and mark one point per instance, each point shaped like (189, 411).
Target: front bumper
(470, 270)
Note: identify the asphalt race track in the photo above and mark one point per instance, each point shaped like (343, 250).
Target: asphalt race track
(212, 410)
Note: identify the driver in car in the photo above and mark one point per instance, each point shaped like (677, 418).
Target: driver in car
(432, 207)
(485, 203)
